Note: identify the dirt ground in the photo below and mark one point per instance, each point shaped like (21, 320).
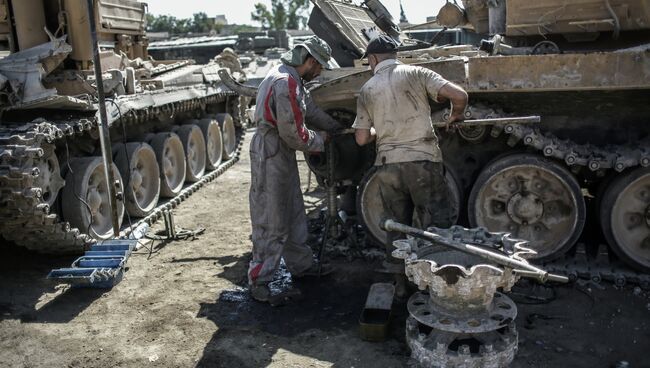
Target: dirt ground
(184, 306)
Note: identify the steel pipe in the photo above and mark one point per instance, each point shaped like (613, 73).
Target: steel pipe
(521, 267)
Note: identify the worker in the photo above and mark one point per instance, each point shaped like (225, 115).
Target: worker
(393, 109)
(276, 205)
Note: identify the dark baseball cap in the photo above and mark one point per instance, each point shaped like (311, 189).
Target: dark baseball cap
(381, 44)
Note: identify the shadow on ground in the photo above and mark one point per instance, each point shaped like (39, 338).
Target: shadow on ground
(329, 306)
(26, 294)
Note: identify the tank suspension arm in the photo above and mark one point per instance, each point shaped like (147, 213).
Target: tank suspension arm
(243, 90)
(493, 121)
(521, 267)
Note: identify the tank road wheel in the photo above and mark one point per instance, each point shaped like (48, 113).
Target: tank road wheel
(625, 217)
(370, 206)
(229, 135)
(532, 198)
(171, 161)
(213, 142)
(194, 146)
(139, 169)
(85, 197)
(49, 176)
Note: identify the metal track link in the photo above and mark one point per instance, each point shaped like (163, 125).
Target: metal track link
(595, 158)
(26, 218)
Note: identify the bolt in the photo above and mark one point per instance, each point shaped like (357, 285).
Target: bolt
(645, 161)
(463, 350)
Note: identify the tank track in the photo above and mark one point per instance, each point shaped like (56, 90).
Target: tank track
(593, 158)
(27, 219)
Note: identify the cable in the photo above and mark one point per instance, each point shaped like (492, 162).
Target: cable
(74, 189)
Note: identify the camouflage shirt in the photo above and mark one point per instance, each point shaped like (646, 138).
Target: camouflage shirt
(395, 101)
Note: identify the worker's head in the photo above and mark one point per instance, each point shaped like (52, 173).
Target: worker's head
(379, 49)
(309, 58)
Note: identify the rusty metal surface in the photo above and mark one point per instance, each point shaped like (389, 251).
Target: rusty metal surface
(595, 71)
(342, 92)
(442, 349)
(577, 16)
(461, 320)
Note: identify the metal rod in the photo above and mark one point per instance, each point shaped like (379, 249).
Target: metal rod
(477, 122)
(528, 269)
(104, 134)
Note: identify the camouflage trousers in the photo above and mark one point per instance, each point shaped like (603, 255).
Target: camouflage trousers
(277, 209)
(414, 193)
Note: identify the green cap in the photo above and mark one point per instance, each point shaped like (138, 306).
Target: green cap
(316, 47)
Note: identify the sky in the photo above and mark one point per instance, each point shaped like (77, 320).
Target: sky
(238, 11)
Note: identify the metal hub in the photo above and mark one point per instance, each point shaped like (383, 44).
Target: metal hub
(171, 160)
(195, 151)
(531, 197)
(213, 141)
(625, 217)
(86, 197)
(138, 166)
(228, 134)
(501, 311)
(435, 348)
(372, 210)
(525, 208)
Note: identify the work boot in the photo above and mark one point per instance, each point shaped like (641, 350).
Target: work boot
(263, 294)
(312, 271)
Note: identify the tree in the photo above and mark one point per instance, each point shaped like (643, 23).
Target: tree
(284, 14)
(201, 23)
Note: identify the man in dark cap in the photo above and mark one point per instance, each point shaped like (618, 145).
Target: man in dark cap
(276, 205)
(393, 109)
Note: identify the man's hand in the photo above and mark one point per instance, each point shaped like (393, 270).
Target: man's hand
(458, 98)
(453, 120)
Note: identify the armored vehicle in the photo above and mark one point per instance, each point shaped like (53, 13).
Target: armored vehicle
(582, 66)
(171, 123)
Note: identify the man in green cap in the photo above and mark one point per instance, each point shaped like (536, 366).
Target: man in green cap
(276, 205)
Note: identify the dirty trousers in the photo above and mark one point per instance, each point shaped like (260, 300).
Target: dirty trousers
(414, 193)
(277, 209)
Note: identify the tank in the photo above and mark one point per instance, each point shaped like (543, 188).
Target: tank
(582, 174)
(173, 124)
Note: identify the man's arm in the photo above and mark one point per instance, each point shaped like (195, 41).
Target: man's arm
(290, 119)
(441, 90)
(364, 132)
(319, 119)
(458, 98)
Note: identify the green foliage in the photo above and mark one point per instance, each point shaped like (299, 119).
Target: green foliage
(284, 14)
(199, 23)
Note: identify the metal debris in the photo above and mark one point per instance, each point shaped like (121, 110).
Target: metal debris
(460, 320)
